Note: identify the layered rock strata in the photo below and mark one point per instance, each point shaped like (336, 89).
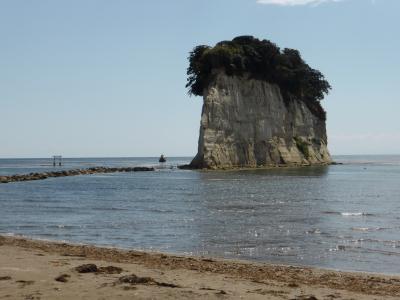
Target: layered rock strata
(247, 123)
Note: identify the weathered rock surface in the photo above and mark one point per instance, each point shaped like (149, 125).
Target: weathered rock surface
(246, 123)
(65, 173)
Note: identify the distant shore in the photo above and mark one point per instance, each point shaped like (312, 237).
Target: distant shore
(48, 270)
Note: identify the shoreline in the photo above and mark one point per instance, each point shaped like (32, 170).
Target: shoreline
(215, 274)
(261, 167)
(186, 255)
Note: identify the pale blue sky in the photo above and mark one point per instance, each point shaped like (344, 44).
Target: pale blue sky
(107, 78)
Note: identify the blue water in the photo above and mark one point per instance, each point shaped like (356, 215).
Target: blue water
(343, 217)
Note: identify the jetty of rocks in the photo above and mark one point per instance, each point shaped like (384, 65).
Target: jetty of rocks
(74, 172)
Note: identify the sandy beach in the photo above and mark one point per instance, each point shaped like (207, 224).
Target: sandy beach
(31, 269)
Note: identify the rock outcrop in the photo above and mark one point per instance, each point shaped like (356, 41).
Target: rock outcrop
(74, 172)
(247, 123)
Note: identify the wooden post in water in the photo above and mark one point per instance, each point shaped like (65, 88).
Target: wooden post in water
(57, 158)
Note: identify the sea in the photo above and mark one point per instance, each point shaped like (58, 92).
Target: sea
(342, 217)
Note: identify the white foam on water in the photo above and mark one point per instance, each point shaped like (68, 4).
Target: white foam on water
(354, 214)
(368, 229)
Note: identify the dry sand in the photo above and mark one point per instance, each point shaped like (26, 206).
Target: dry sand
(29, 269)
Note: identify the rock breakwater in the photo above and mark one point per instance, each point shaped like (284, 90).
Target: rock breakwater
(74, 172)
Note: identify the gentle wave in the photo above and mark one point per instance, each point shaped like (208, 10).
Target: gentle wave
(367, 250)
(108, 208)
(349, 214)
(383, 242)
(369, 229)
(62, 226)
(227, 179)
(355, 214)
(314, 231)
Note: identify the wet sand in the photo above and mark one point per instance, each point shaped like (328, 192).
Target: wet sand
(31, 269)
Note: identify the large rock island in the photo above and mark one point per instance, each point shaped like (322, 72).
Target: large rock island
(261, 106)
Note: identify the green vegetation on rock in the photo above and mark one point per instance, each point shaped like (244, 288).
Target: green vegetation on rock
(302, 146)
(262, 60)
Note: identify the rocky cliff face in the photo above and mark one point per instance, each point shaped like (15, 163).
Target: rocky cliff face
(246, 123)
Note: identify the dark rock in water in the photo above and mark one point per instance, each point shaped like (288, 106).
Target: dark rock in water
(88, 268)
(65, 173)
(185, 167)
(143, 169)
(162, 159)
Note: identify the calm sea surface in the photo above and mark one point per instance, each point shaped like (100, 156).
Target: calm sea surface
(343, 217)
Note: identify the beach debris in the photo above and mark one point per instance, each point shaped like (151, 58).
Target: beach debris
(110, 270)
(5, 278)
(207, 260)
(275, 293)
(305, 297)
(134, 279)
(333, 296)
(293, 285)
(92, 268)
(73, 255)
(24, 283)
(35, 296)
(62, 278)
(87, 268)
(170, 285)
(129, 288)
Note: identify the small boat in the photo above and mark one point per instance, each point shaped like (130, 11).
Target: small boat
(162, 159)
